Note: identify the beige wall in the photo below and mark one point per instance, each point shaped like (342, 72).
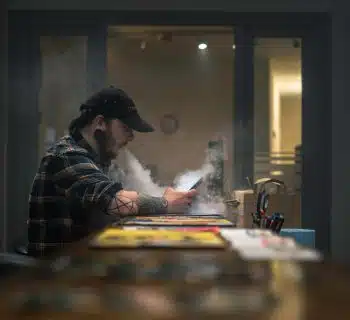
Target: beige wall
(290, 122)
(196, 87)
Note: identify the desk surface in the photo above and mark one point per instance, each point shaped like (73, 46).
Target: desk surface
(175, 284)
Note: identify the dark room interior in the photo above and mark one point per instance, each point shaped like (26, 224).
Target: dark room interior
(262, 87)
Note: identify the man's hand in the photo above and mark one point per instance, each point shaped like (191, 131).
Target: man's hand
(178, 201)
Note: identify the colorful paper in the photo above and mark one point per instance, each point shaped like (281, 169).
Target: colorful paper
(114, 238)
(178, 221)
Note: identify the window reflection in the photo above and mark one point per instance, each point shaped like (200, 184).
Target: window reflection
(63, 85)
(277, 107)
(278, 116)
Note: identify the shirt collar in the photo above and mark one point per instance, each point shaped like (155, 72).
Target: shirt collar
(79, 139)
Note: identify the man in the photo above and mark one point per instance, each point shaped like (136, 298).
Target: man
(71, 194)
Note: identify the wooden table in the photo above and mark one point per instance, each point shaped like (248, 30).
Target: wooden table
(114, 284)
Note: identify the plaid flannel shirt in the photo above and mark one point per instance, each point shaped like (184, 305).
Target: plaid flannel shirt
(69, 198)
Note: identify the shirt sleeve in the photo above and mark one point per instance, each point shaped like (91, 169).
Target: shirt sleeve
(81, 181)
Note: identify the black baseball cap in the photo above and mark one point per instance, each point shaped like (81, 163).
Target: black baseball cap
(115, 103)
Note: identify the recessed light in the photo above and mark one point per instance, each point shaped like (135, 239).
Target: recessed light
(202, 46)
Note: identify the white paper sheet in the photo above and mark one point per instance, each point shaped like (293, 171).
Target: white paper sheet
(256, 244)
(272, 254)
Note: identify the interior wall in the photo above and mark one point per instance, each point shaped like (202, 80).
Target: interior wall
(286, 83)
(195, 86)
(290, 122)
(275, 110)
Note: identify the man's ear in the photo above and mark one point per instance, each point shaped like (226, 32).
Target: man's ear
(100, 123)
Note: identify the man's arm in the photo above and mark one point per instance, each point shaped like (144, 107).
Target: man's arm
(131, 202)
(82, 181)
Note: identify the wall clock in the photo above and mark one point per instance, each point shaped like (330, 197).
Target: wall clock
(169, 124)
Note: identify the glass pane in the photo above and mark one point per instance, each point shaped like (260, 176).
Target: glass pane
(277, 104)
(181, 79)
(278, 135)
(63, 85)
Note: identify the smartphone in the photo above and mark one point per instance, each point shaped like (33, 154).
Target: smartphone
(189, 183)
(197, 184)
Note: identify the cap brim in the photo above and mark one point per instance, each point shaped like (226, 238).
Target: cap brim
(136, 123)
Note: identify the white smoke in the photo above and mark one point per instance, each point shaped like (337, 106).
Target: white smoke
(131, 173)
(134, 176)
(184, 181)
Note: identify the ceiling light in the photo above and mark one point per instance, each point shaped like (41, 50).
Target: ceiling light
(143, 45)
(202, 46)
(233, 46)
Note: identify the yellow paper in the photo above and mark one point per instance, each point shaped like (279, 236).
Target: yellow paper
(157, 238)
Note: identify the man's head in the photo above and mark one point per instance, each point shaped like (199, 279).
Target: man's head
(109, 118)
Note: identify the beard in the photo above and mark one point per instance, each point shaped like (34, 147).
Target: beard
(104, 141)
